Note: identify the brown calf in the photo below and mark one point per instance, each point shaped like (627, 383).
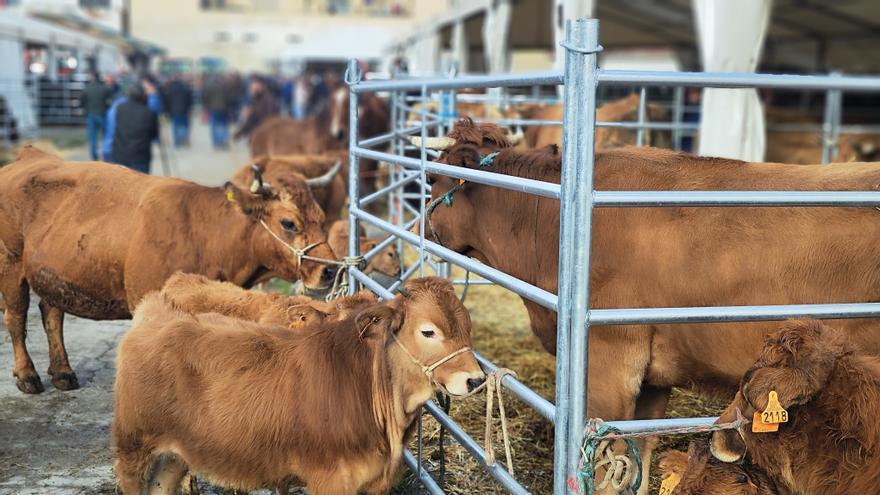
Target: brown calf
(831, 392)
(701, 474)
(198, 294)
(248, 406)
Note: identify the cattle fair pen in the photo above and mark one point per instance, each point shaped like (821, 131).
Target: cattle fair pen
(578, 198)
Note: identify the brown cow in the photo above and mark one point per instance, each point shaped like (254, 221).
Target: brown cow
(322, 173)
(621, 110)
(91, 239)
(384, 267)
(286, 136)
(658, 257)
(199, 294)
(831, 442)
(701, 474)
(806, 147)
(251, 406)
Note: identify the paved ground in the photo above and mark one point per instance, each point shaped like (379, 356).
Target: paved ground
(58, 442)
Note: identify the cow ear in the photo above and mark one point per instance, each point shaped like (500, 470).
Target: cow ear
(378, 322)
(792, 386)
(464, 156)
(673, 462)
(244, 202)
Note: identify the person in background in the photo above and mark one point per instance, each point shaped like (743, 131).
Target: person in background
(218, 103)
(154, 103)
(95, 99)
(287, 95)
(320, 93)
(179, 102)
(236, 89)
(264, 104)
(301, 92)
(136, 127)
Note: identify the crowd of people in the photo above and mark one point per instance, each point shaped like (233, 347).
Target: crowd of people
(122, 117)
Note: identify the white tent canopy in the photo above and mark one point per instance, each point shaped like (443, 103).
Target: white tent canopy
(731, 36)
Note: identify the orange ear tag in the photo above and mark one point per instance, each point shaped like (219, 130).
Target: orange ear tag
(774, 413)
(759, 426)
(669, 483)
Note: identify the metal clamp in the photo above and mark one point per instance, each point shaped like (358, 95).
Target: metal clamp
(579, 49)
(352, 73)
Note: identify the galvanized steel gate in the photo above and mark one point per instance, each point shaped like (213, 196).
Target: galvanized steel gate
(577, 201)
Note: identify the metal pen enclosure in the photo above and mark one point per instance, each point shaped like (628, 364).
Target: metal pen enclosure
(578, 198)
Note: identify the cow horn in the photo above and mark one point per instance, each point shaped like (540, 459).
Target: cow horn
(257, 183)
(516, 137)
(325, 179)
(433, 143)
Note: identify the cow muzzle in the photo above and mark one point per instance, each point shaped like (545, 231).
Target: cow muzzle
(728, 446)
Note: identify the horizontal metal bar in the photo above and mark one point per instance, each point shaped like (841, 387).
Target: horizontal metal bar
(651, 425)
(630, 77)
(489, 81)
(543, 406)
(660, 126)
(371, 284)
(385, 242)
(404, 276)
(739, 80)
(423, 475)
(536, 294)
(475, 281)
(387, 189)
(720, 314)
(496, 470)
(519, 184)
(735, 198)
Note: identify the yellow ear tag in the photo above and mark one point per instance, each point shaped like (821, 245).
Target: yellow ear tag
(669, 483)
(759, 426)
(230, 196)
(774, 413)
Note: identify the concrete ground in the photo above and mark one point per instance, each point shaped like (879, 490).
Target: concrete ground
(58, 442)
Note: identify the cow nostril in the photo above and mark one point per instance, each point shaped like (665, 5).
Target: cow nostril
(473, 383)
(329, 274)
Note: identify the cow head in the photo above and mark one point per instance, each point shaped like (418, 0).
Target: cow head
(303, 315)
(339, 113)
(795, 363)
(466, 145)
(701, 474)
(859, 148)
(286, 221)
(384, 267)
(427, 328)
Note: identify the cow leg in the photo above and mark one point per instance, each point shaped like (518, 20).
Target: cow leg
(651, 404)
(168, 474)
(62, 374)
(133, 462)
(16, 294)
(619, 358)
(332, 483)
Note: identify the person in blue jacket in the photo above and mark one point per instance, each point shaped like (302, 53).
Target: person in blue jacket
(154, 103)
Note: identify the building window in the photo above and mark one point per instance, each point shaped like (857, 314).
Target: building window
(213, 4)
(94, 4)
(221, 36)
(250, 37)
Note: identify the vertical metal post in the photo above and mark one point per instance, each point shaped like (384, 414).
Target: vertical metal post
(831, 123)
(352, 77)
(677, 114)
(640, 133)
(423, 157)
(579, 120)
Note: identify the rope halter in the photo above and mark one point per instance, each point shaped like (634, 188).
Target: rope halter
(447, 197)
(428, 370)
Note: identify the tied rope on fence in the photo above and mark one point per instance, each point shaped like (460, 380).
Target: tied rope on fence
(623, 472)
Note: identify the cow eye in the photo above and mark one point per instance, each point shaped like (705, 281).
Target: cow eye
(288, 225)
(741, 478)
(428, 334)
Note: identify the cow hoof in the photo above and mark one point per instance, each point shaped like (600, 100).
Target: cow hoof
(30, 384)
(65, 381)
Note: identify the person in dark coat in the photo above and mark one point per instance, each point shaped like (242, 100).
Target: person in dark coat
(136, 128)
(217, 102)
(179, 102)
(95, 100)
(264, 104)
